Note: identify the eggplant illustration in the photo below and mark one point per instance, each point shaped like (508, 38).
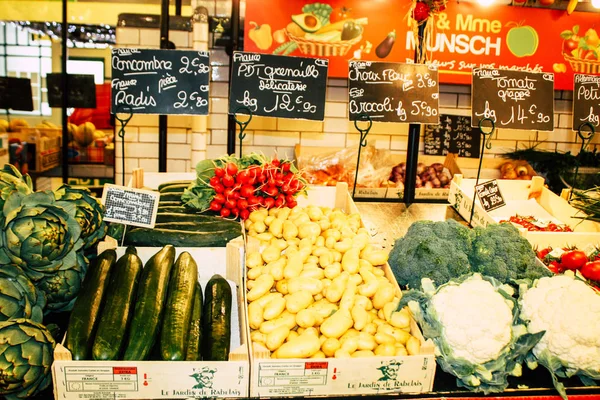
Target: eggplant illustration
(385, 47)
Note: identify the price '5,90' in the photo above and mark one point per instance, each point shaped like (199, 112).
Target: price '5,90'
(417, 107)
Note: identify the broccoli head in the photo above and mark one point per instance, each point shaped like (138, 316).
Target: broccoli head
(501, 252)
(434, 250)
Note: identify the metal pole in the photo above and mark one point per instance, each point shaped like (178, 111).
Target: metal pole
(65, 98)
(178, 7)
(162, 119)
(414, 133)
(235, 33)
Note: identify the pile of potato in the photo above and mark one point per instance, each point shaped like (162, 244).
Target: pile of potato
(315, 288)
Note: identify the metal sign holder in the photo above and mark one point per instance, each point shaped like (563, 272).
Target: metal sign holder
(486, 143)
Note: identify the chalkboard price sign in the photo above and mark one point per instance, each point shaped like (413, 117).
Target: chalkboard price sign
(82, 90)
(15, 94)
(489, 195)
(160, 81)
(130, 206)
(586, 101)
(454, 135)
(278, 86)
(393, 92)
(513, 99)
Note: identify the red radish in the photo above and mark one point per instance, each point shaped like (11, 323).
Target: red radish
(225, 212)
(292, 204)
(235, 212)
(247, 191)
(215, 206)
(228, 181)
(214, 181)
(289, 198)
(285, 167)
(279, 202)
(275, 162)
(270, 191)
(219, 188)
(269, 202)
(242, 204)
(230, 203)
(244, 214)
(231, 169)
(219, 198)
(219, 172)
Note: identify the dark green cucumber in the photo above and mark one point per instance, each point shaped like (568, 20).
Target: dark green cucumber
(178, 308)
(162, 186)
(86, 311)
(118, 308)
(149, 305)
(144, 237)
(185, 217)
(194, 343)
(174, 209)
(169, 203)
(180, 188)
(170, 197)
(211, 226)
(216, 320)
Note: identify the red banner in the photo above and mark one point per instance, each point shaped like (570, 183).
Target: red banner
(464, 36)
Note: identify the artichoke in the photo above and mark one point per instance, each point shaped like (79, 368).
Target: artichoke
(19, 298)
(89, 213)
(39, 234)
(62, 287)
(26, 355)
(11, 180)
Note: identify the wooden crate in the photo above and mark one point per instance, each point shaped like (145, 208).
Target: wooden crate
(490, 167)
(47, 144)
(167, 379)
(331, 376)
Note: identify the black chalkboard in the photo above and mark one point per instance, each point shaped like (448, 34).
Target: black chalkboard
(160, 81)
(454, 135)
(15, 94)
(393, 92)
(586, 101)
(130, 206)
(82, 90)
(489, 195)
(278, 86)
(513, 99)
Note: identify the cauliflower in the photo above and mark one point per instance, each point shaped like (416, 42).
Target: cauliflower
(568, 310)
(472, 322)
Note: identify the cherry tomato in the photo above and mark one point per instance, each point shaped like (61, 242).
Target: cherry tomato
(228, 180)
(219, 172)
(573, 259)
(231, 169)
(543, 253)
(591, 270)
(225, 212)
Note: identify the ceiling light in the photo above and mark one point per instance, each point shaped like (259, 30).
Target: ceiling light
(485, 2)
(596, 3)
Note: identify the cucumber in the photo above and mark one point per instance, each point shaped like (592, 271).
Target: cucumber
(174, 209)
(86, 311)
(145, 237)
(187, 217)
(169, 203)
(165, 185)
(180, 188)
(178, 309)
(194, 343)
(170, 197)
(216, 320)
(149, 305)
(117, 312)
(191, 226)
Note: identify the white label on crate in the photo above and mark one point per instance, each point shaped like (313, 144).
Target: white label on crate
(91, 379)
(284, 374)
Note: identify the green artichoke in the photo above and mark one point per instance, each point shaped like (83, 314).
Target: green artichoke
(39, 234)
(26, 355)
(11, 180)
(62, 287)
(89, 213)
(19, 298)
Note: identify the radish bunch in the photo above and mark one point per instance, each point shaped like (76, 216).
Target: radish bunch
(238, 192)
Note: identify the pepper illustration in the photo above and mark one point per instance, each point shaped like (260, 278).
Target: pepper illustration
(261, 35)
(351, 30)
(385, 47)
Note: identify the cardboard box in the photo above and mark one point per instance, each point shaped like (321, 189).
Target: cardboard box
(490, 167)
(389, 192)
(43, 146)
(167, 379)
(331, 376)
(523, 198)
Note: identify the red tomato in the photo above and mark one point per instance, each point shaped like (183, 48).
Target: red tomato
(573, 259)
(591, 270)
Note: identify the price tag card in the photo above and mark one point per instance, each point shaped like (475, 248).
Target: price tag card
(513, 99)
(489, 195)
(82, 90)
(454, 135)
(15, 94)
(130, 206)
(393, 92)
(586, 101)
(278, 86)
(160, 81)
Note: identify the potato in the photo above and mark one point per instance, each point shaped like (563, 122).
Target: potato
(262, 285)
(258, 337)
(303, 346)
(324, 224)
(360, 241)
(269, 219)
(255, 315)
(294, 266)
(291, 335)
(350, 345)
(254, 259)
(374, 256)
(401, 336)
(350, 333)
(276, 337)
(301, 219)
(312, 331)
(281, 286)
(320, 242)
(366, 342)
(325, 259)
(285, 319)
(333, 270)
(274, 308)
(271, 253)
(369, 289)
(276, 268)
(309, 230)
(276, 228)
(259, 227)
(370, 329)
(248, 224)
(314, 273)
(337, 256)
(306, 318)
(290, 230)
(332, 233)
(341, 354)
(401, 351)
(364, 302)
(318, 354)
(363, 353)
(255, 272)
(298, 301)
(381, 338)
(324, 308)
(400, 319)
(258, 215)
(360, 317)
(385, 294)
(347, 300)
(314, 213)
(336, 325)
(282, 244)
(385, 350)
(343, 246)
(330, 346)
(310, 285)
(330, 242)
(413, 346)
(390, 308)
(355, 279)
(283, 213)
(350, 261)
(378, 272)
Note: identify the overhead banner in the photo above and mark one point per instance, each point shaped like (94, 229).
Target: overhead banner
(464, 36)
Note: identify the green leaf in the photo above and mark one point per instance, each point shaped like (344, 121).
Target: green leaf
(205, 170)
(566, 34)
(576, 29)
